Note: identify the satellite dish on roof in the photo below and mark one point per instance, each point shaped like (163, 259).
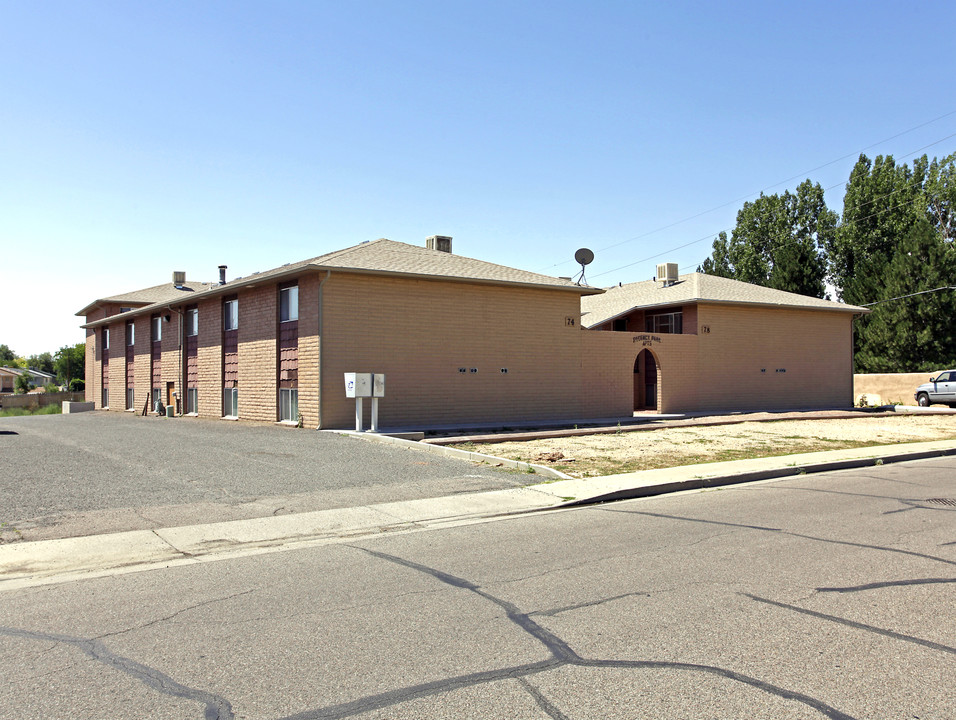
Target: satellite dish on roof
(583, 257)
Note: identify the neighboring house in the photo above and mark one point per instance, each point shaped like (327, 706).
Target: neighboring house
(702, 342)
(39, 378)
(459, 340)
(8, 379)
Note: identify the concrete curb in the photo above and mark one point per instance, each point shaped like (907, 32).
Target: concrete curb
(695, 477)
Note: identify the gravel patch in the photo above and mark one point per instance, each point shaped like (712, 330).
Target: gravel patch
(590, 455)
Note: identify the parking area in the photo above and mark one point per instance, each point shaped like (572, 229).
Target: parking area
(74, 475)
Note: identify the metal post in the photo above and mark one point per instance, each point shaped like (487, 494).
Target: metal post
(358, 415)
(375, 414)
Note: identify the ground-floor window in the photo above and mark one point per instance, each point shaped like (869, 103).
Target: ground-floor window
(106, 397)
(192, 400)
(157, 399)
(130, 402)
(230, 402)
(289, 404)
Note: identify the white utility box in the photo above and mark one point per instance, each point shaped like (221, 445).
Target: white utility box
(378, 385)
(358, 385)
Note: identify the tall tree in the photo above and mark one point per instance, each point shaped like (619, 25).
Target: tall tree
(69, 363)
(778, 242)
(42, 362)
(882, 203)
(7, 355)
(911, 330)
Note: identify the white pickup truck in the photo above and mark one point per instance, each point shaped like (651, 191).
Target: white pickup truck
(942, 389)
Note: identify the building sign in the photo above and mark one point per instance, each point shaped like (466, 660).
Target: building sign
(646, 340)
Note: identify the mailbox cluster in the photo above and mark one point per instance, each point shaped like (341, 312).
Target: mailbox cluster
(365, 385)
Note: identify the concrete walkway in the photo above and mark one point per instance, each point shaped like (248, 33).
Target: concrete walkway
(36, 563)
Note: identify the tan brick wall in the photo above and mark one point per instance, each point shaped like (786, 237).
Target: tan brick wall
(118, 365)
(172, 358)
(258, 368)
(745, 354)
(309, 349)
(419, 333)
(209, 359)
(608, 371)
(141, 363)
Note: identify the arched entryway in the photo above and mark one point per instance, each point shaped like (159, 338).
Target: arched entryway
(645, 381)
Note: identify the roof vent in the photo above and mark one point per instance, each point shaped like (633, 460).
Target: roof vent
(179, 278)
(222, 274)
(439, 242)
(667, 273)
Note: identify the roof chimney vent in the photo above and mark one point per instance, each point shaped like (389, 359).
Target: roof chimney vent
(439, 242)
(179, 278)
(222, 274)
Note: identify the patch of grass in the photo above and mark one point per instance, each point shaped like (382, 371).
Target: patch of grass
(21, 412)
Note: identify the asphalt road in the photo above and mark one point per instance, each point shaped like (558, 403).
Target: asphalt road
(827, 595)
(72, 475)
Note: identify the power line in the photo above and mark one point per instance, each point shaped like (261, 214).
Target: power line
(901, 297)
(732, 202)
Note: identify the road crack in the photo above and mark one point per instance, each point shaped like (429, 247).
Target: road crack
(216, 707)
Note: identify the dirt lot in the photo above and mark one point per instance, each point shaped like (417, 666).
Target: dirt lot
(629, 451)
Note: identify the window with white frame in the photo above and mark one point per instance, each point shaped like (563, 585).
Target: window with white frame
(106, 398)
(157, 324)
(230, 315)
(230, 402)
(130, 334)
(289, 404)
(106, 338)
(157, 399)
(672, 322)
(192, 401)
(192, 323)
(130, 401)
(289, 304)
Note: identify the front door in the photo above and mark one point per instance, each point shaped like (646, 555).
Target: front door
(645, 381)
(650, 381)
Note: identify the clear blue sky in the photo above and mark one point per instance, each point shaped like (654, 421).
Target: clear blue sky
(140, 138)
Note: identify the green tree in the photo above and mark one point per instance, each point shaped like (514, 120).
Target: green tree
(912, 330)
(778, 242)
(719, 261)
(882, 203)
(42, 362)
(23, 383)
(7, 355)
(69, 363)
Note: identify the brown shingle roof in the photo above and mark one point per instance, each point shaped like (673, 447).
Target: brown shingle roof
(167, 293)
(696, 288)
(378, 257)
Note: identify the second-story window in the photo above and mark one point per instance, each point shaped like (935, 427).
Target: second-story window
(672, 322)
(106, 338)
(157, 323)
(192, 323)
(130, 334)
(289, 304)
(230, 315)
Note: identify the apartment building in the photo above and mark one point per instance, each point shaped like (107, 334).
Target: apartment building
(461, 340)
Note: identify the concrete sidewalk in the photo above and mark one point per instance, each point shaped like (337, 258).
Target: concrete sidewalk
(42, 562)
